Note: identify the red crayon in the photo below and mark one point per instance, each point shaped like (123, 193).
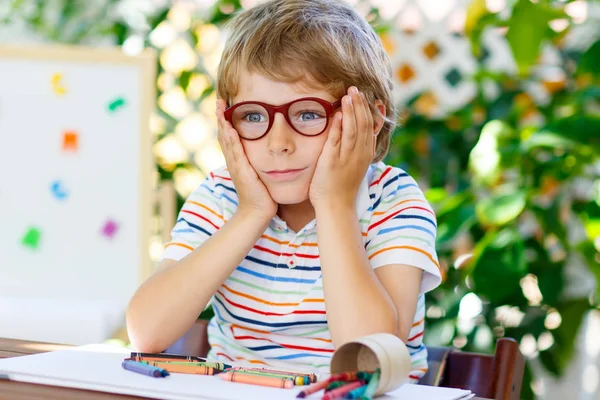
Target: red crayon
(345, 376)
(340, 392)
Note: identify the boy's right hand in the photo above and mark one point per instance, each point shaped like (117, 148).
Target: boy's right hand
(253, 196)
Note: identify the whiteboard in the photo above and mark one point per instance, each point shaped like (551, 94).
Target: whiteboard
(75, 173)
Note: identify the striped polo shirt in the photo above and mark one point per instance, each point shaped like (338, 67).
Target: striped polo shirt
(271, 310)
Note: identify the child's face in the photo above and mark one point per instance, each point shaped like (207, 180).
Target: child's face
(282, 148)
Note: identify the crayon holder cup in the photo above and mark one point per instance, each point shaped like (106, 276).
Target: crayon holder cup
(381, 350)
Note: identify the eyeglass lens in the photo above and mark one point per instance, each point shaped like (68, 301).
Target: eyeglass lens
(251, 121)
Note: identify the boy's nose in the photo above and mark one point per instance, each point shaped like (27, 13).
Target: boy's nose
(280, 137)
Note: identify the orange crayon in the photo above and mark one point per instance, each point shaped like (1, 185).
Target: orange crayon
(310, 377)
(184, 369)
(259, 380)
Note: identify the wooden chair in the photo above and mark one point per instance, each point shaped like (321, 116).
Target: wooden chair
(495, 376)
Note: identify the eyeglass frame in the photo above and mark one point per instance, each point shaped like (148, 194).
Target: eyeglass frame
(283, 109)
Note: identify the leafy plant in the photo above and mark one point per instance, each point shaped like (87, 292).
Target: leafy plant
(515, 186)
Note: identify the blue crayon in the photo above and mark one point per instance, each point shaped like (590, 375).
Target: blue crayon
(356, 393)
(144, 369)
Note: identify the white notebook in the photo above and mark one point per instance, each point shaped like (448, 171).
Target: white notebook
(98, 367)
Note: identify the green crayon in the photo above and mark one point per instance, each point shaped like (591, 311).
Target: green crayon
(335, 385)
(298, 380)
(371, 387)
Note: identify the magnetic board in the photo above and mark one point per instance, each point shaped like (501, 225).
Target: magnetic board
(75, 173)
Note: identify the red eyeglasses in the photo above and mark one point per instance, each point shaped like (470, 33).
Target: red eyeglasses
(309, 116)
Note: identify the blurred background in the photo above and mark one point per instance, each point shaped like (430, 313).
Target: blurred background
(499, 122)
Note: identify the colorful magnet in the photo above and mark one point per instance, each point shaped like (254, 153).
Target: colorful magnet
(57, 86)
(32, 238)
(116, 104)
(110, 228)
(58, 190)
(70, 141)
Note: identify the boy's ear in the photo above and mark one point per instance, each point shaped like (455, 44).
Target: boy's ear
(378, 120)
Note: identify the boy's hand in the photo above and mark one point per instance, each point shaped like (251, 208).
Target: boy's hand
(254, 198)
(346, 155)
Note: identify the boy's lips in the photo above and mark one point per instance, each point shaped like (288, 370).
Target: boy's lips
(284, 174)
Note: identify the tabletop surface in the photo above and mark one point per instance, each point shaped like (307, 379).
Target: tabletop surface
(22, 391)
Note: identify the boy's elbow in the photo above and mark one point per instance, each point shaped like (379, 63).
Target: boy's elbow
(148, 347)
(145, 343)
(142, 339)
(403, 331)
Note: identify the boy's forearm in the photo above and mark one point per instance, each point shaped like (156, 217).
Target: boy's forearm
(168, 303)
(356, 302)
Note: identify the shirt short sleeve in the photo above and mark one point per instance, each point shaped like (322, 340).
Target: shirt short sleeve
(199, 218)
(403, 227)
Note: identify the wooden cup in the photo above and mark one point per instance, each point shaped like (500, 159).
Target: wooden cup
(368, 353)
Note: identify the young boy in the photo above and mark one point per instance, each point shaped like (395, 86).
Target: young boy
(306, 240)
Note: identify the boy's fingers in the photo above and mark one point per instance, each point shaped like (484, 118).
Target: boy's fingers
(237, 150)
(349, 127)
(361, 117)
(368, 122)
(220, 118)
(335, 134)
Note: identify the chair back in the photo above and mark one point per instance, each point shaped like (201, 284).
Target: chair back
(495, 376)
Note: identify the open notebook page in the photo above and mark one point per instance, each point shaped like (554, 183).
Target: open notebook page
(98, 367)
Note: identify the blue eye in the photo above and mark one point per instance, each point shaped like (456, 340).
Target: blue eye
(254, 117)
(309, 116)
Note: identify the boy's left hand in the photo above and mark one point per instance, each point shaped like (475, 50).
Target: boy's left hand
(346, 155)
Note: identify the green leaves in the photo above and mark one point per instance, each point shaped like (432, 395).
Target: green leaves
(557, 357)
(527, 31)
(591, 256)
(478, 18)
(498, 265)
(501, 209)
(455, 214)
(497, 149)
(590, 61)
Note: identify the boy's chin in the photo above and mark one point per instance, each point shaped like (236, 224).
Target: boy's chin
(289, 196)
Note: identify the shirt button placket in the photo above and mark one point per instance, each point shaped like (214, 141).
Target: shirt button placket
(292, 249)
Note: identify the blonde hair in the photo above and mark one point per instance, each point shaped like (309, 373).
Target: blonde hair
(326, 41)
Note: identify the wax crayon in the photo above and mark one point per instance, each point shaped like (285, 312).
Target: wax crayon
(315, 387)
(164, 357)
(364, 376)
(301, 378)
(335, 385)
(187, 369)
(312, 377)
(144, 369)
(234, 376)
(371, 387)
(341, 392)
(298, 380)
(215, 365)
(356, 393)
